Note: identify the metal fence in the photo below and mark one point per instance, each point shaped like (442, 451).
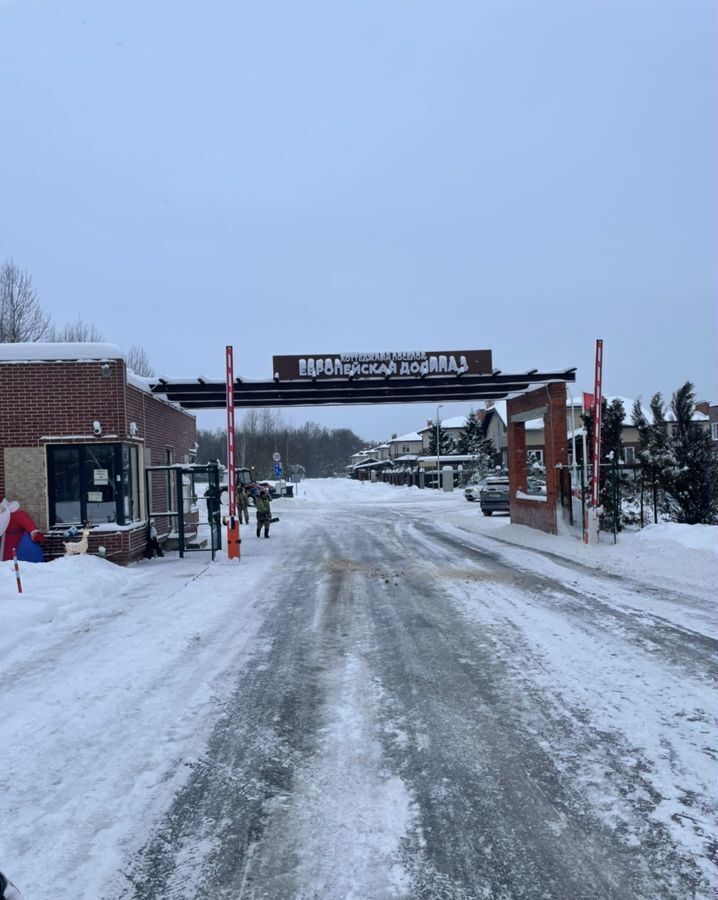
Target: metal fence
(631, 496)
(184, 508)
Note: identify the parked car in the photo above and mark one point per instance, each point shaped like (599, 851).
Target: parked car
(473, 488)
(494, 495)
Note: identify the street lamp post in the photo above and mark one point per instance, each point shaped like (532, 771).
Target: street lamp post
(438, 449)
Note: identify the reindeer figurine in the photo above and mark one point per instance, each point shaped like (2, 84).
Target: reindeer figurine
(78, 547)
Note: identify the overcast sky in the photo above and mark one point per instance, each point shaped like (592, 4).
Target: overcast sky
(311, 177)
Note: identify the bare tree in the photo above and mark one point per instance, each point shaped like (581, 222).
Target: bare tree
(77, 331)
(138, 362)
(21, 316)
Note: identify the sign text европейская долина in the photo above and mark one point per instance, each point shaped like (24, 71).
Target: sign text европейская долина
(383, 365)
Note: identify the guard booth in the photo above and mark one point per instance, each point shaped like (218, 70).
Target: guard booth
(184, 506)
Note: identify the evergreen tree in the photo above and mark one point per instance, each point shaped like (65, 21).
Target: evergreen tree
(470, 435)
(642, 426)
(446, 442)
(473, 441)
(654, 454)
(676, 455)
(694, 473)
(612, 418)
(613, 415)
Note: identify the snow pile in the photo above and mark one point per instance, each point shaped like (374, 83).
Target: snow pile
(108, 702)
(679, 558)
(340, 491)
(73, 587)
(692, 537)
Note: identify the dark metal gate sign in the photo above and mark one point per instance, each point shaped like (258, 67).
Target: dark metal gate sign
(383, 365)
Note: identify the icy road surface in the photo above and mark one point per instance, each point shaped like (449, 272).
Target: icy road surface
(381, 701)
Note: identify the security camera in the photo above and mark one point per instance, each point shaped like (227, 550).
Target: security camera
(97, 427)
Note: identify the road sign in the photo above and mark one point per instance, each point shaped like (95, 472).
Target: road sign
(276, 457)
(277, 470)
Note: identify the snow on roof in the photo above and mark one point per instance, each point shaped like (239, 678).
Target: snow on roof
(453, 422)
(141, 383)
(49, 352)
(449, 458)
(410, 436)
(499, 406)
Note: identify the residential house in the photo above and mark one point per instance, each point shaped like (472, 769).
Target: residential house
(405, 447)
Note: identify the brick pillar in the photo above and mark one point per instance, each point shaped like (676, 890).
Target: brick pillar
(531, 511)
(555, 440)
(517, 456)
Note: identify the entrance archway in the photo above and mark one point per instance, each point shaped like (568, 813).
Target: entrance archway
(410, 377)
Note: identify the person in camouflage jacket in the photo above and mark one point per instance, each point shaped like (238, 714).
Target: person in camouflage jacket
(242, 504)
(264, 512)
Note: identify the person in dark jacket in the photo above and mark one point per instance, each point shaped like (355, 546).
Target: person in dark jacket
(264, 512)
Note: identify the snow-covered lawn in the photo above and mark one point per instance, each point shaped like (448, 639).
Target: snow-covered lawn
(112, 679)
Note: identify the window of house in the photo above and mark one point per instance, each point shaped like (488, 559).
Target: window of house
(628, 455)
(170, 479)
(93, 483)
(714, 431)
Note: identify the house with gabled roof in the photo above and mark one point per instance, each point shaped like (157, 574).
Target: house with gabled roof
(405, 447)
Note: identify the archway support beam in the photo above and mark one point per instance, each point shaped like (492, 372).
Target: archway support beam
(207, 394)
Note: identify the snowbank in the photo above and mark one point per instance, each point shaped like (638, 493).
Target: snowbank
(336, 491)
(70, 587)
(679, 558)
(692, 537)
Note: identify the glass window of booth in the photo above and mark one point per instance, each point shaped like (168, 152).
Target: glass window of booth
(95, 484)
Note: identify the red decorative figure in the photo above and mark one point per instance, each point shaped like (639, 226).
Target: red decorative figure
(15, 523)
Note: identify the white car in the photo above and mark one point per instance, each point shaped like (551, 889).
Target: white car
(473, 488)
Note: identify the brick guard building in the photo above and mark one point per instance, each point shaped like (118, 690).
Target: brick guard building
(76, 433)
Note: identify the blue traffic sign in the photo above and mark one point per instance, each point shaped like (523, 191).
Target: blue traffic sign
(277, 470)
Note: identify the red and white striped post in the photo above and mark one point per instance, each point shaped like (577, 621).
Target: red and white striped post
(591, 518)
(17, 572)
(597, 424)
(233, 540)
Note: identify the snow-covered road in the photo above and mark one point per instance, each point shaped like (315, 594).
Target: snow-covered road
(387, 699)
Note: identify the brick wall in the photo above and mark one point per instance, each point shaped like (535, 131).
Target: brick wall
(163, 427)
(55, 402)
(121, 547)
(44, 399)
(537, 513)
